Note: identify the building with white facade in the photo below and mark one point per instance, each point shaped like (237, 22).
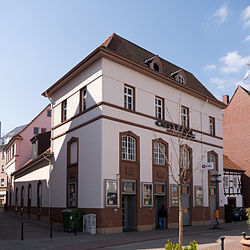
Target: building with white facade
(116, 120)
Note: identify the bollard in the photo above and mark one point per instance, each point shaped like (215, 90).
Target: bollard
(222, 238)
(74, 229)
(21, 230)
(51, 223)
(244, 234)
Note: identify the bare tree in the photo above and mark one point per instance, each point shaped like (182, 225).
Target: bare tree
(179, 169)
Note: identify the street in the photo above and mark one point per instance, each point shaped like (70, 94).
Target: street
(37, 236)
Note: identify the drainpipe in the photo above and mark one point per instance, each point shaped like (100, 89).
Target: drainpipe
(52, 150)
(202, 105)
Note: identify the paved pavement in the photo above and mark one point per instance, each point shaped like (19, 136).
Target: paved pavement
(36, 236)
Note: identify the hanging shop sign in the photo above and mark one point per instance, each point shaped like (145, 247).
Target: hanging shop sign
(176, 129)
(147, 198)
(128, 187)
(207, 166)
(111, 187)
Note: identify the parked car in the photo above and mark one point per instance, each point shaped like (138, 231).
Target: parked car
(239, 213)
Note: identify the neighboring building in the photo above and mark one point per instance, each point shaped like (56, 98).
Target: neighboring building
(236, 134)
(114, 120)
(31, 181)
(232, 182)
(18, 150)
(3, 176)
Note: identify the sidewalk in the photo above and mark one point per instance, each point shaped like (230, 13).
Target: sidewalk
(36, 236)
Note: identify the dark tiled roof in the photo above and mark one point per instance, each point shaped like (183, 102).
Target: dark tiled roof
(230, 165)
(133, 52)
(248, 92)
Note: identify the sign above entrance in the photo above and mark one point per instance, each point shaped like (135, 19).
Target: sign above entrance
(207, 166)
(176, 129)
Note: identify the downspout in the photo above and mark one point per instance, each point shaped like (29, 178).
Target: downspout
(52, 151)
(204, 212)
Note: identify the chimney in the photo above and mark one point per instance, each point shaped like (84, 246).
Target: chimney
(225, 99)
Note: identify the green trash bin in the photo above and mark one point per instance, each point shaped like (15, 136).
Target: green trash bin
(72, 219)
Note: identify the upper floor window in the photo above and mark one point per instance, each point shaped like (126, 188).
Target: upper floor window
(211, 126)
(159, 153)
(2, 169)
(184, 158)
(212, 158)
(2, 182)
(181, 79)
(128, 98)
(3, 154)
(49, 112)
(64, 110)
(159, 108)
(156, 67)
(128, 148)
(83, 99)
(43, 130)
(36, 131)
(184, 116)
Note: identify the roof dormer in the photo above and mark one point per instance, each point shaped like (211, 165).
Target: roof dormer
(179, 76)
(154, 63)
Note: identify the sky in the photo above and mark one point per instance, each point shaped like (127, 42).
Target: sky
(40, 41)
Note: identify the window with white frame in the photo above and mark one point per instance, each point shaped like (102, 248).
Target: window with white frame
(184, 116)
(128, 98)
(184, 158)
(225, 181)
(159, 153)
(234, 181)
(211, 126)
(212, 158)
(181, 79)
(159, 108)
(2, 182)
(83, 100)
(128, 148)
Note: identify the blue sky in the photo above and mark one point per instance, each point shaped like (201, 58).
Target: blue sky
(41, 40)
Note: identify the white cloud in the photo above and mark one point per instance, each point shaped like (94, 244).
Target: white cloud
(247, 38)
(210, 67)
(246, 17)
(220, 15)
(233, 62)
(221, 83)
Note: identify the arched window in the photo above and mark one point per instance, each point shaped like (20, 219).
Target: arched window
(212, 158)
(159, 153)
(181, 79)
(156, 67)
(39, 198)
(128, 148)
(185, 157)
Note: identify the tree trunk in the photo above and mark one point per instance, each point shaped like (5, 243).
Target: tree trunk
(180, 216)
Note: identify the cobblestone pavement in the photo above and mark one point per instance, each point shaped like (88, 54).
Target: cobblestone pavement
(36, 236)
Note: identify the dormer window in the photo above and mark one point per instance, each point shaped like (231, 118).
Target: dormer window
(154, 63)
(181, 79)
(156, 67)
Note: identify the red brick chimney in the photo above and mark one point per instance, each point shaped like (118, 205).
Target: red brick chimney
(225, 99)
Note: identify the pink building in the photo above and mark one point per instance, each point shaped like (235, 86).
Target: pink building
(18, 150)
